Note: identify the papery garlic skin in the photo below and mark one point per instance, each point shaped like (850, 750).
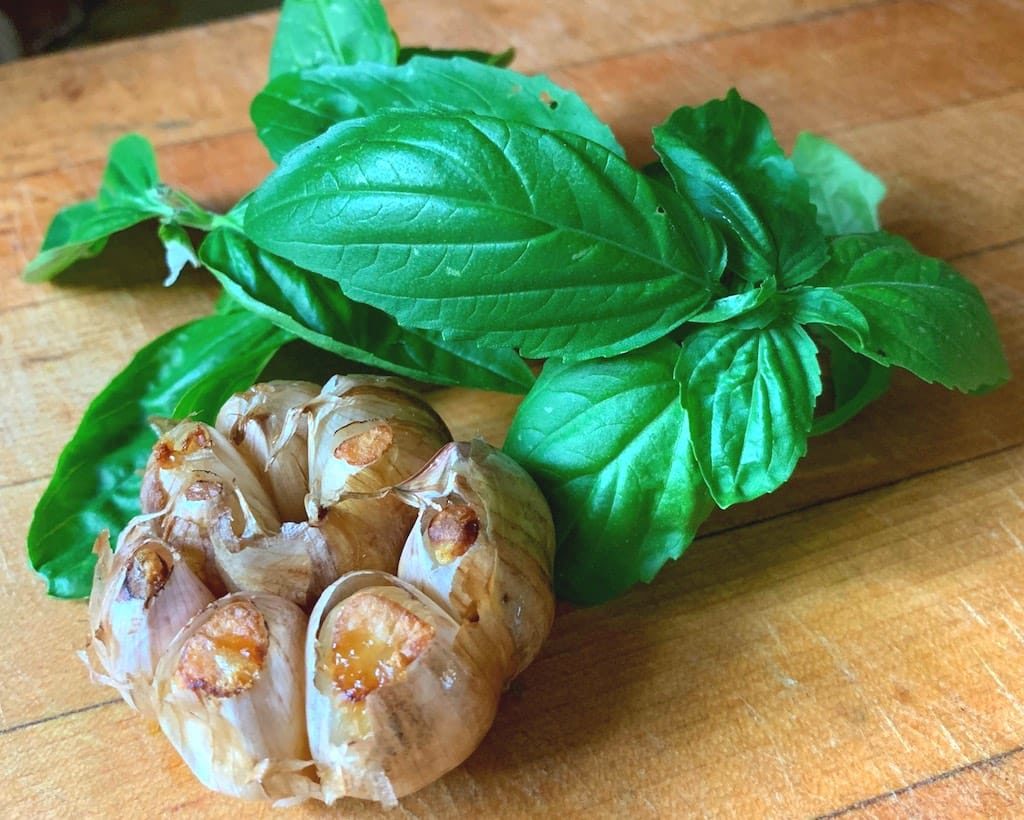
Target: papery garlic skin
(206, 494)
(483, 547)
(393, 699)
(254, 421)
(366, 434)
(142, 595)
(230, 694)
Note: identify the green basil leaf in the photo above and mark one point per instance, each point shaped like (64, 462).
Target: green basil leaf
(825, 306)
(750, 397)
(845, 194)
(491, 230)
(95, 486)
(921, 314)
(856, 382)
(331, 32)
(499, 59)
(314, 308)
(130, 193)
(738, 304)
(724, 157)
(296, 107)
(608, 442)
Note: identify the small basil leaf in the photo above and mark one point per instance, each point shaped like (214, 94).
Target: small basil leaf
(844, 193)
(178, 251)
(495, 230)
(131, 179)
(314, 308)
(499, 59)
(95, 486)
(607, 441)
(724, 157)
(825, 306)
(921, 314)
(331, 32)
(750, 397)
(739, 304)
(856, 382)
(296, 107)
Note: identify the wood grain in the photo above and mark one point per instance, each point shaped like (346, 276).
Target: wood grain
(850, 644)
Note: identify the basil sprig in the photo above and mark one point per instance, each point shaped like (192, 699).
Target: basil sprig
(438, 215)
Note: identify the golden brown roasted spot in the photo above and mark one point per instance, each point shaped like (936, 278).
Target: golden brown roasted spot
(146, 574)
(224, 656)
(366, 447)
(167, 455)
(373, 639)
(453, 531)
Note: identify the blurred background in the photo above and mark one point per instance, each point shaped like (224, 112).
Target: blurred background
(29, 27)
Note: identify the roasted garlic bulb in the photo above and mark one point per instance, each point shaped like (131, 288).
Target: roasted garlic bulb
(393, 698)
(142, 594)
(365, 435)
(483, 547)
(230, 698)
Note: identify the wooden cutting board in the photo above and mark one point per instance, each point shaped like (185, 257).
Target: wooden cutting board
(851, 645)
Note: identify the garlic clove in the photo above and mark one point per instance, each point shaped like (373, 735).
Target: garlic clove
(142, 595)
(393, 698)
(365, 435)
(230, 690)
(483, 547)
(262, 423)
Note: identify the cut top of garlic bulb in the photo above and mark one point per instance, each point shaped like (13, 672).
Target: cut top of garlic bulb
(483, 547)
(142, 594)
(366, 434)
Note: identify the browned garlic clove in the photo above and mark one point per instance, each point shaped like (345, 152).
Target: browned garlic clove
(366, 434)
(254, 421)
(393, 699)
(230, 695)
(142, 595)
(483, 547)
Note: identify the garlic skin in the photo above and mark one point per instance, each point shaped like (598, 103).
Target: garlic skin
(365, 434)
(230, 693)
(213, 507)
(142, 595)
(393, 698)
(483, 547)
(207, 496)
(254, 421)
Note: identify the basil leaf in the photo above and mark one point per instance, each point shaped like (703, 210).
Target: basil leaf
(856, 382)
(921, 314)
(331, 32)
(845, 195)
(738, 304)
(95, 486)
(825, 306)
(130, 193)
(296, 107)
(493, 230)
(607, 441)
(750, 397)
(314, 308)
(499, 59)
(724, 157)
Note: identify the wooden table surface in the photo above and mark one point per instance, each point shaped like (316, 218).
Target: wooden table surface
(853, 645)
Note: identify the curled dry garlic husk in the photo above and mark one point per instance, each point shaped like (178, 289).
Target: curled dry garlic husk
(142, 595)
(483, 546)
(230, 696)
(365, 435)
(393, 697)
